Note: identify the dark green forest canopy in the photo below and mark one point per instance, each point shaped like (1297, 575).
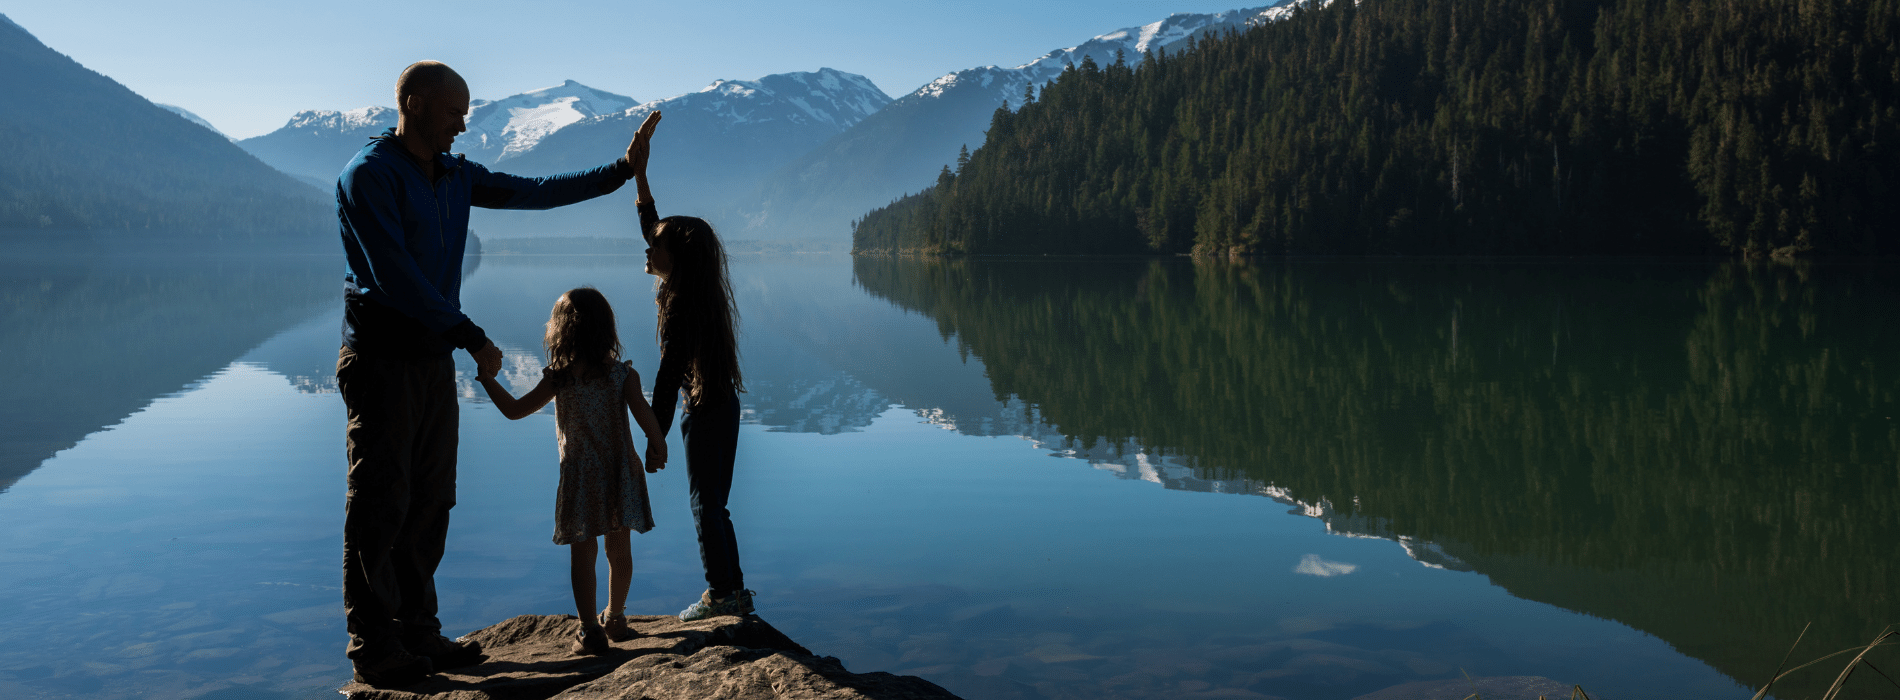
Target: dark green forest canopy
(1751, 127)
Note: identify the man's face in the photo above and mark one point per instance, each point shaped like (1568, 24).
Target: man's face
(443, 116)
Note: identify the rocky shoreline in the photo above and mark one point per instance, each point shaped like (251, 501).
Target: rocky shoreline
(741, 658)
(744, 658)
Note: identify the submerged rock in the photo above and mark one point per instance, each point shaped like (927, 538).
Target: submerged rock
(737, 658)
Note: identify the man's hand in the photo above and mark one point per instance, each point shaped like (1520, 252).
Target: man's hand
(642, 144)
(487, 361)
(656, 456)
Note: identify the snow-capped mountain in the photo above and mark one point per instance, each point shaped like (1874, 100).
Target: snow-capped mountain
(513, 125)
(315, 144)
(776, 113)
(193, 118)
(900, 149)
(828, 98)
(1007, 83)
(366, 120)
(716, 144)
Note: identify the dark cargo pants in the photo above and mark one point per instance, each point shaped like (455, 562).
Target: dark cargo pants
(403, 421)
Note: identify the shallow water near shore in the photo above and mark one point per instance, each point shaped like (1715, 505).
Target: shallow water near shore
(1018, 479)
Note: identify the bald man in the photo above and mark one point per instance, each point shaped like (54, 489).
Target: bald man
(403, 205)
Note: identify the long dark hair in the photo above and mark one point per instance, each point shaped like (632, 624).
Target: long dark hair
(581, 333)
(696, 307)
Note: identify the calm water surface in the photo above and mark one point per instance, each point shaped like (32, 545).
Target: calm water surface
(1018, 479)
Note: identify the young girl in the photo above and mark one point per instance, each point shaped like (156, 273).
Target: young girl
(699, 354)
(602, 491)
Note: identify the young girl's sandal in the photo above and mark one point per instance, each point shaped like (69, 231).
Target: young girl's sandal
(590, 641)
(615, 625)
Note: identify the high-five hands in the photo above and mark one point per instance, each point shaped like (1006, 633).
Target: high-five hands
(642, 144)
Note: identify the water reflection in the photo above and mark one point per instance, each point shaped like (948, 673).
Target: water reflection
(1704, 452)
(1614, 440)
(89, 341)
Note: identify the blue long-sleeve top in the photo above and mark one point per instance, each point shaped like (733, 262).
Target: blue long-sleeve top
(404, 236)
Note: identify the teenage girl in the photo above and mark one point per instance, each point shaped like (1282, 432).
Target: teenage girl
(699, 355)
(603, 492)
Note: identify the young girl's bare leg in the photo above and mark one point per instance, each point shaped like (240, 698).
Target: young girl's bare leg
(619, 579)
(581, 573)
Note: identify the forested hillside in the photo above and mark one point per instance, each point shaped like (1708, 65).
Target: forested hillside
(1751, 127)
(80, 151)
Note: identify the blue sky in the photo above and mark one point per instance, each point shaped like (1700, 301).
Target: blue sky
(248, 66)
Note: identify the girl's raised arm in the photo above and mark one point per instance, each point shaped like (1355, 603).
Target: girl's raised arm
(513, 408)
(643, 414)
(637, 153)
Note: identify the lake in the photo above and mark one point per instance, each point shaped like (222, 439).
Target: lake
(1019, 478)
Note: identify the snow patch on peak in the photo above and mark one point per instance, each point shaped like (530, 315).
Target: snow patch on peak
(938, 86)
(371, 117)
(193, 118)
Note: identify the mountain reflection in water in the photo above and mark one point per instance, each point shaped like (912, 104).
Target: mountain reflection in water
(91, 340)
(1705, 452)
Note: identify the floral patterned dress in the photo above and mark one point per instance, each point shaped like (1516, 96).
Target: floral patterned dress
(603, 487)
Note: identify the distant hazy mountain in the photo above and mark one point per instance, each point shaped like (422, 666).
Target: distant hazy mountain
(83, 152)
(316, 143)
(195, 119)
(715, 145)
(900, 149)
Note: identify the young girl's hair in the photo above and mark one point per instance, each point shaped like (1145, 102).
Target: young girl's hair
(581, 333)
(696, 306)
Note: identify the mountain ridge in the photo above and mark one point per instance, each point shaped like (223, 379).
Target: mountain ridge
(901, 148)
(91, 154)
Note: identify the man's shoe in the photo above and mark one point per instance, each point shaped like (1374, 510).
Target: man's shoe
(736, 604)
(445, 653)
(394, 670)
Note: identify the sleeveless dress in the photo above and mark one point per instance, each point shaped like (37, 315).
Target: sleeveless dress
(603, 486)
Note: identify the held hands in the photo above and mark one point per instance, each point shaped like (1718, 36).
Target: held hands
(656, 456)
(487, 362)
(641, 147)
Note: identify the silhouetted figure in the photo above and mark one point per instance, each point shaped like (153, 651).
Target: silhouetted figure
(403, 205)
(699, 353)
(602, 491)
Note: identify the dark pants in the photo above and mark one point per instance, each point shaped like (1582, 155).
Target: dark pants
(402, 432)
(711, 434)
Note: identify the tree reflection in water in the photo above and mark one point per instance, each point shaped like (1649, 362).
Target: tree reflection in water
(1705, 452)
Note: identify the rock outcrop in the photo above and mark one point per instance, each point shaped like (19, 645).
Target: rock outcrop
(736, 658)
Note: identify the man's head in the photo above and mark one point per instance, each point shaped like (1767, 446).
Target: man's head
(431, 104)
